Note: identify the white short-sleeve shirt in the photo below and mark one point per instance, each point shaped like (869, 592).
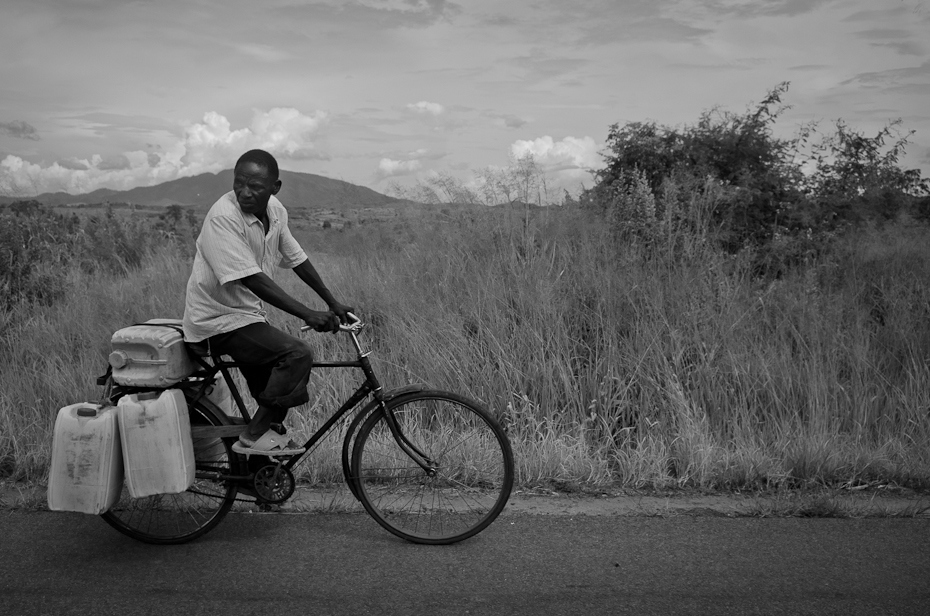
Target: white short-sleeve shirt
(231, 246)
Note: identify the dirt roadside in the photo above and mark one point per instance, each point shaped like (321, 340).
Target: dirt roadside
(808, 503)
(877, 502)
(868, 501)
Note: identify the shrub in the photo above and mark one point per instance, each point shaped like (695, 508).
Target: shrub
(737, 150)
(858, 178)
(38, 248)
(766, 198)
(35, 248)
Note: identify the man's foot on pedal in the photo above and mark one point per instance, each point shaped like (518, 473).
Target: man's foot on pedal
(269, 444)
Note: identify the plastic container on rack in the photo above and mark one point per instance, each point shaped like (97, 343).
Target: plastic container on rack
(150, 354)
(86, 472)
(158, 453)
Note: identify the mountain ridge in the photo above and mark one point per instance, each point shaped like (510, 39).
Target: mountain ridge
(297, 189)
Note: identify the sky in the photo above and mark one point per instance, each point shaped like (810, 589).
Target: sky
(119, 93)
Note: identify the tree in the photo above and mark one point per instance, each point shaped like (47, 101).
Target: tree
(438, 189)
(523, 180)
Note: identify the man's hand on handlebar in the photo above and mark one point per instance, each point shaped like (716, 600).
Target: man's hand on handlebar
(342, 311)
(322, 321)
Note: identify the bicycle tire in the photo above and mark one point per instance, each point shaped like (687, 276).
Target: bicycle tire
(178, 518)
(473, 463)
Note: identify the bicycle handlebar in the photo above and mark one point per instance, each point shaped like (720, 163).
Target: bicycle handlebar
(355, 325)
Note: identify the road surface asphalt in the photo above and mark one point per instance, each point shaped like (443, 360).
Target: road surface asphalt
(344, 563)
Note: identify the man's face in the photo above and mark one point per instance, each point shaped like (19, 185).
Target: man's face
(254, 186)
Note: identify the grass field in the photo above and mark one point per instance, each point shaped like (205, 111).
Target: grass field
(610, 362)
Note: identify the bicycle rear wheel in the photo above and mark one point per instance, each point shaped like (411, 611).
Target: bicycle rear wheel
(178, 518)
(470, 472)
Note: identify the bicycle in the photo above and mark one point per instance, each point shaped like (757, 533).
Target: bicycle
(429, 466)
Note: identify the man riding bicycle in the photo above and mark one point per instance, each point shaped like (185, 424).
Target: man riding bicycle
(244, 237)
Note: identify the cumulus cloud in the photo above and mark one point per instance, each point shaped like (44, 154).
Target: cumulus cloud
(566, 164)
(398, 163)
(388, 167)
(207, 146)
(568, 154)
(20, 129)
(211, 144)
(114, 163)
(427, 107)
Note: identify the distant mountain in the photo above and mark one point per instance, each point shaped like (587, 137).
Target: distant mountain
(297, 190)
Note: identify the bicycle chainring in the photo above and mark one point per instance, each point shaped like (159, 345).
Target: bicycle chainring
(273, 483)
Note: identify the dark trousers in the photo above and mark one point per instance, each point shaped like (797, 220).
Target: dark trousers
(277, 364)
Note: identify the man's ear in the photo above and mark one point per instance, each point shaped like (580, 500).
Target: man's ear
(276, 187)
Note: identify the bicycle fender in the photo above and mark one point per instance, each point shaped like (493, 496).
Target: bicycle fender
(400, 391)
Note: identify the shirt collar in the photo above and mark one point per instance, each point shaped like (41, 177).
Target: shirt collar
(251, 219)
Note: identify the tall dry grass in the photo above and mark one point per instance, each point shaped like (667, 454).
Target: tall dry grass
(664, 364)
(610, 360)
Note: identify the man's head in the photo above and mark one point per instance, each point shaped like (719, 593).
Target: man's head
(255, 179)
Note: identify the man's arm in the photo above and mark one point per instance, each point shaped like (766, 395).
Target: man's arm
(306, 272)
(268, 291)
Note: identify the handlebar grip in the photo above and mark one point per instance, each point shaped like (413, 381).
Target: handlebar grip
(353, 326)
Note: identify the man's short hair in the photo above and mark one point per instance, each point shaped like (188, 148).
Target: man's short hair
(262, 159)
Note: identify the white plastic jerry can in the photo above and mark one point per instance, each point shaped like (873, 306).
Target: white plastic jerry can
(158, 453)
(86, 473)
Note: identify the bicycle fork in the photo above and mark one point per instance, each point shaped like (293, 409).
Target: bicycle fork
(423, 461)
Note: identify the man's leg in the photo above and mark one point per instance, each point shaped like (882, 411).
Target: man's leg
(262, 419)
(277, 370)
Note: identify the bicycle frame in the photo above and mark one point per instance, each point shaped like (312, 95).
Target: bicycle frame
(370, 386)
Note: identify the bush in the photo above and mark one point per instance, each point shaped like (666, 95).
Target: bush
(858, 178)
(738, 151)
(35, 247)
(38, 248)
(766, 198)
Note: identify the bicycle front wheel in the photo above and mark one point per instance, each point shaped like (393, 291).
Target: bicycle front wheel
(456, 483)
(178, 518)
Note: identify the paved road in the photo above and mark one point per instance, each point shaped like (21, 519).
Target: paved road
(57, 564)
